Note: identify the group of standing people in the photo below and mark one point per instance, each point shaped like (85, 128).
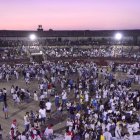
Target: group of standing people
(97, 103)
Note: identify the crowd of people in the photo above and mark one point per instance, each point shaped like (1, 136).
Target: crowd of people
(60, 41)
(99, 48)
(12, 53)
(97, 103)
(95, 51)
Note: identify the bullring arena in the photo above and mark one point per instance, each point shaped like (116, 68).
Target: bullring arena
(59, 85)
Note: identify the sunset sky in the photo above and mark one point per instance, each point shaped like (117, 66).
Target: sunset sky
(69, 14)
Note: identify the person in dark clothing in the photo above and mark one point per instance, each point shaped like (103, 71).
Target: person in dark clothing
(4, 97)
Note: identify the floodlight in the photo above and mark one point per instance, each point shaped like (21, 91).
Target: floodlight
(32, 37)
(118, 36)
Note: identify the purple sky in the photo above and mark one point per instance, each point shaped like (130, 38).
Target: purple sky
(70, 14)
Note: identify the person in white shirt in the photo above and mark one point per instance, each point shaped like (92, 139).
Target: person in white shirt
(16, 74)
(136, 128)
(14, 97)
(130, 128)
(118, 131)
(26, 122)
(107, 134)
(48, 132)
(87, 136)
(45, 93)
(22, 136)
(41, 86)
(42, 115)
(7, 77)
(78, 115)
(64, 98)
(42, 97)
(86, 97)
(12, 89)
(69, 124)
(35, 96)
(105, 93)
(17, 100)
(48, 108)
(68, 135)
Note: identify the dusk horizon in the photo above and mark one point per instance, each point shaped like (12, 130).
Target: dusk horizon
(35, 29)
(70, 15)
